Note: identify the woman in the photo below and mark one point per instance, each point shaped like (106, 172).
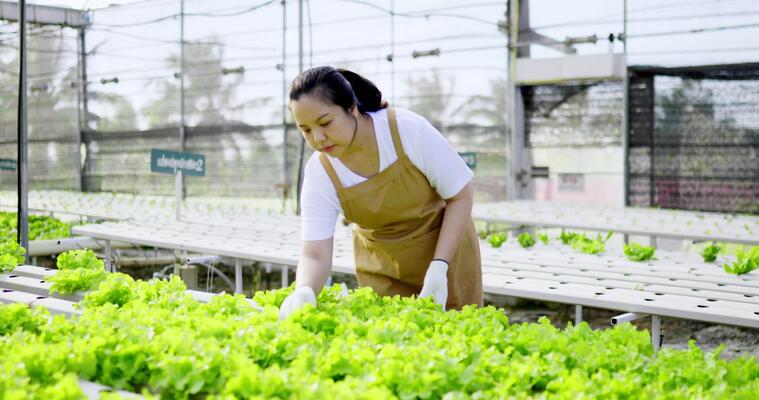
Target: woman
(396, 177)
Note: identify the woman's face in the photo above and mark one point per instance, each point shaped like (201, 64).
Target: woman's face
(326, 127)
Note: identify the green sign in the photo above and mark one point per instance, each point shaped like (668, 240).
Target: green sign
(171, 162)
(7, 163)
(470, 158)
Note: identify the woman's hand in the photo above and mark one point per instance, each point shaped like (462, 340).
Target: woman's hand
(297, 299)
(436, 282)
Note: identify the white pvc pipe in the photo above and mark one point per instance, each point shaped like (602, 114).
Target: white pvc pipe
(628, 317)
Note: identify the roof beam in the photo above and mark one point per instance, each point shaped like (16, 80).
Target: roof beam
(44, 15)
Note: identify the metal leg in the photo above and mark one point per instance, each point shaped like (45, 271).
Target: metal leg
(653, 241)
(238, 275)
(285, 277)
(626, 238)
(656, 336)
(578, 314)
(108, 260)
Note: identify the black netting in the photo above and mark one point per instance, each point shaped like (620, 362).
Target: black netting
(693, 141)
(238, 62)
(53, 130)
(573, 115)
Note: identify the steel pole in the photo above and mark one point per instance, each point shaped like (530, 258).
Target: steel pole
(23, 200)
(180, 179)
(286, 166)
(302, 148)
(625, 112)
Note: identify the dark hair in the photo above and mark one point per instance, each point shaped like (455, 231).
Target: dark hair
(340, 87)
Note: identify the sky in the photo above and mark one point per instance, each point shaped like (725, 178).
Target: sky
(357, 34)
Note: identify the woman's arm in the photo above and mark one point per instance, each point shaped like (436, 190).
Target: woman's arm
(458, 214)
(315, 264)
(313, 269)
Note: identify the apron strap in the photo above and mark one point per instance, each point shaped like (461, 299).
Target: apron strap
(330, 171)
(394, 133)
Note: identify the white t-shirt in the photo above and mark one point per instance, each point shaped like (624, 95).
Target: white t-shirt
(426, 148)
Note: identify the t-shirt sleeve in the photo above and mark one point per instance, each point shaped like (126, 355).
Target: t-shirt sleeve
(318, 203)
(435, 157)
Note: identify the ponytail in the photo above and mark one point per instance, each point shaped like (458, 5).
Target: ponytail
(368, 96)
(340, 87)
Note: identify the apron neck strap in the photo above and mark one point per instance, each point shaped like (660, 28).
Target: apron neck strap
(394, 133)
(330, 171)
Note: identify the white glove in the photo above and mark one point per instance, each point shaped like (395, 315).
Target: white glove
(298, 298)
(436, 282)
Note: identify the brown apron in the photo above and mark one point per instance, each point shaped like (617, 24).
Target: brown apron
(398, 216)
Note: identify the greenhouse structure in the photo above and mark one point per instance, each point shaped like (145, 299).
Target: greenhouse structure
(351, 199)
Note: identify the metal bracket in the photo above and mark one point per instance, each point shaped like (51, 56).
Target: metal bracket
(657, 338)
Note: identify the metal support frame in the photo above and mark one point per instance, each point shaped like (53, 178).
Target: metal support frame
(182, 130)
(43, 15)
(22, 163)
(238, 275)
(656, 332)
(513, 164)
(578, 314)
(178, 194)
(285, 164)
(656, 335)
(302, 147)
(285, 276)
(82, 99)
(626, 113)
(108, 259)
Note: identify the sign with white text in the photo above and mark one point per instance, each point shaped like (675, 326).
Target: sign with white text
(171, 162)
